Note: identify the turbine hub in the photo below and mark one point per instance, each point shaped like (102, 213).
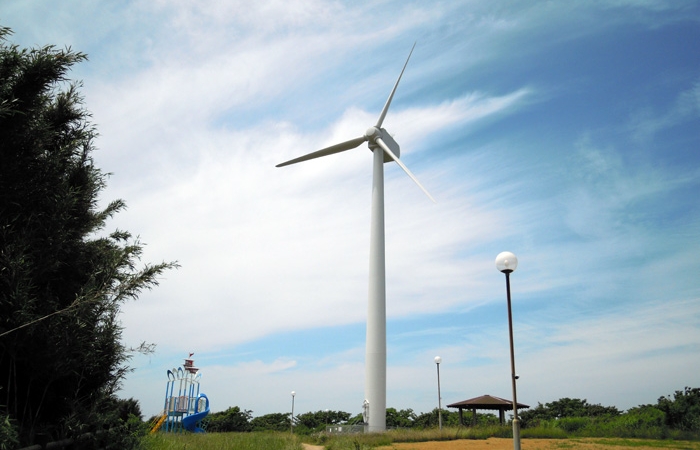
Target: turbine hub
(371, 132)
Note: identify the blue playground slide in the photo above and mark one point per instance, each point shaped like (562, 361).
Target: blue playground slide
(190, 422)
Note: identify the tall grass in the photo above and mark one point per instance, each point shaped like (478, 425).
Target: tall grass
(617, 435)
(221, 441)
(368, 441)
(614, 432)
(623, 426)
(449, 434)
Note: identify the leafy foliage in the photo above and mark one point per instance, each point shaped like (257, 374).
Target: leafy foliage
(683, 412)
(432, 419)
(400, 419)
(271, 422)
(676, 418)
(565, 408)
(233, 419)
(61, 285)
(8, 433)
(317, 421)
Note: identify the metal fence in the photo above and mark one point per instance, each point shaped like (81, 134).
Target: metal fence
(345, 429)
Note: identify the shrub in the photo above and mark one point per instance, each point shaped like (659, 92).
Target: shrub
(573, 424)
(233, 419)
(683, 412)
(543, 433)
(8, 433)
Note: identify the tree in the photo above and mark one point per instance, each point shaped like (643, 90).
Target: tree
(400, 419)
(574, 407)
(271, 422)
(683, 412)
(233, 419)
(62, 278)
(317, 421)
(432, 419)
(564, 408)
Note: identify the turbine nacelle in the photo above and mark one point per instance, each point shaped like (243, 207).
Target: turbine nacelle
(374, 133)
(376, 137)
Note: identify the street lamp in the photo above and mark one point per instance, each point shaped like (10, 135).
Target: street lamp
(291, 419)
(438, 360)
(507, 262)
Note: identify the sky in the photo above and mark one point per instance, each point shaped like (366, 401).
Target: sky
(564, 132)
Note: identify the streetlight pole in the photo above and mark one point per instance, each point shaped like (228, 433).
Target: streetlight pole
(291, 419)
(507, 262)
(438, 360)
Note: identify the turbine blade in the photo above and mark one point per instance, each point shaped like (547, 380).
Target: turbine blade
(391, 96)
(337, 148)
(381, 143)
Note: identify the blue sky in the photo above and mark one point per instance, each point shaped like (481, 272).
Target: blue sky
(565, 132)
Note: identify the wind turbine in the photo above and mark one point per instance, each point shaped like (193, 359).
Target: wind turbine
(385, 149)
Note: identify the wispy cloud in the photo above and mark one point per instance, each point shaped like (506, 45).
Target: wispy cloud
(645, 124)
(195, 106)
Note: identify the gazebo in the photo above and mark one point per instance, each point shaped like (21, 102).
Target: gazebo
(486, 402)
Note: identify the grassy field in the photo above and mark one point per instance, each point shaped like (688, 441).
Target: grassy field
(446, 439)
(221, 441)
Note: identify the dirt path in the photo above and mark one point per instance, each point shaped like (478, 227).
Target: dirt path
(312, 447)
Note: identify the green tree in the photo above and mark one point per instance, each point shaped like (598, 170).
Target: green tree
(564, 408)
(574, 407)
(533, 417)
(432, 419)
(683, 412)
(271, 422)
(400, 419)
(62, 278)
(233, 419)
(317, 421)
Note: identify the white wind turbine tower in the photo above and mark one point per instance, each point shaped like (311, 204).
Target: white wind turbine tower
(385, 149)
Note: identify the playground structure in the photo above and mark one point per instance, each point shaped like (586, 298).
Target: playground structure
(185, 408)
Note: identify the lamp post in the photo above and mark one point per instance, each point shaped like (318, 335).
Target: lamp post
(291, 419)
(507, 262)
(438, 360)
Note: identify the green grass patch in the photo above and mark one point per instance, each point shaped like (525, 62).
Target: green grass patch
(221, 441)
(543, 433)
(360, 441)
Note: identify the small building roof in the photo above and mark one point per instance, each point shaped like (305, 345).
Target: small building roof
(486, 402)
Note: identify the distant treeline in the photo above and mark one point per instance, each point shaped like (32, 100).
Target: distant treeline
(677, 417)
(677, 413)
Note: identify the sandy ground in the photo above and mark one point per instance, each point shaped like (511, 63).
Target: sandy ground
(526, 444)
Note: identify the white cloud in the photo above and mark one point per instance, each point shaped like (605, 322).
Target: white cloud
(196, 105)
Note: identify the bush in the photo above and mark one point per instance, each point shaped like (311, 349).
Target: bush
(233, 419)
(573, 424)
(544, 433)
(271, 422)
(683, 412)
(8, 433)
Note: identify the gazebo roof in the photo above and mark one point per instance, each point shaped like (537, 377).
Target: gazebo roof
(487, 402)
